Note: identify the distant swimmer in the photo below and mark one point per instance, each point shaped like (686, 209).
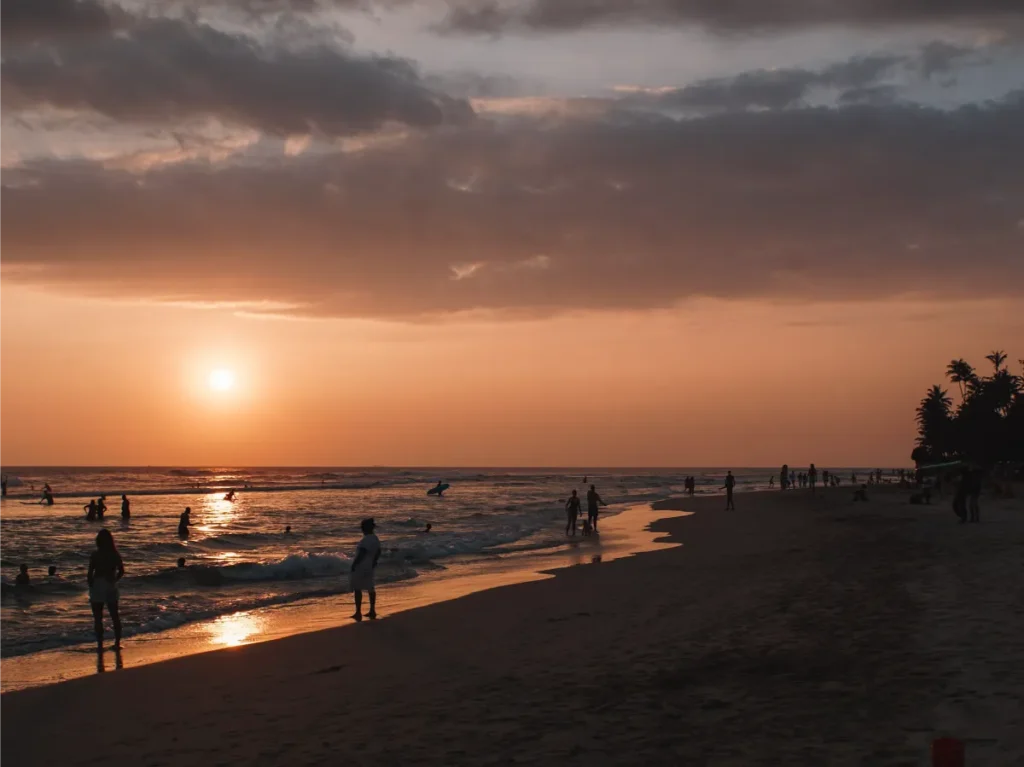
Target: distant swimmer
(90, 510)
(126, 508)
(287, 529)
(101, 507)
(22, 579)
(572, 513)
(426, 529)
(771, 481)
(230, 496)
(181, 561)
(52, 571)
(184, 522)
(593, 501)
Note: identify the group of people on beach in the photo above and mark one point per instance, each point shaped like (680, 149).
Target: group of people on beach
(96, 508)
(573, 509)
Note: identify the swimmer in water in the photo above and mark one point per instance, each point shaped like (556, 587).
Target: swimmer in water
(101, 507)
(184, 522)
(427, 528)
(287, 529)
(90, 511)
(23, 579)
(230, 496)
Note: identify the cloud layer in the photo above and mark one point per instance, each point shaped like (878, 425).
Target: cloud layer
(626, 211)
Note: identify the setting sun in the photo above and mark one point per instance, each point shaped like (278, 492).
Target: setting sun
(222, 380)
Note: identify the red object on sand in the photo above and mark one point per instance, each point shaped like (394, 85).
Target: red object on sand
(947, 752)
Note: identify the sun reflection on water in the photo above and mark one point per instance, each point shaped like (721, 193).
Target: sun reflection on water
(234, 630)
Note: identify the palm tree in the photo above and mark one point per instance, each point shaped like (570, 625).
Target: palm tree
(997, 358)
(933, 421)
(960, 372)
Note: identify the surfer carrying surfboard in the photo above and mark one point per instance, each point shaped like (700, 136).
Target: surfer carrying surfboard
(439, 488)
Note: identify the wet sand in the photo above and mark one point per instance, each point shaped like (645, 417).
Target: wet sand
(795, 630)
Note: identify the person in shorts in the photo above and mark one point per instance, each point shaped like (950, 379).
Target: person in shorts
(106, 568)
(363, 567)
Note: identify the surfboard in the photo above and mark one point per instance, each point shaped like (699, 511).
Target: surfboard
(439, 489)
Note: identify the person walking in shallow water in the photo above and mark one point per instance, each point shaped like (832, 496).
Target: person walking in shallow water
(730, 483)
(593, 500)
(363, 569)
(572, 512)
(185, 522)
(126, 508)
(106, 568)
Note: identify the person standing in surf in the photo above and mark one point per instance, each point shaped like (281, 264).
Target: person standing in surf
(593, 500)
(126, 509)
(106, 568)
(185, 522)
(363, 569)
(730, 483)
(812, 477)
(572, 512)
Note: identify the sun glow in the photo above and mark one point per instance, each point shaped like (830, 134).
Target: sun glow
(222, 379)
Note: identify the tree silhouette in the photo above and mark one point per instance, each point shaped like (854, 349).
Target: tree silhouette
(960, 372)
(988, 425)
(997, 358)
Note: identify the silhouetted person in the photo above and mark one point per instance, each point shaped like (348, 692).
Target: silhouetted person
(427, 528)
(363, 568)
(184, 522)
(105, 569)
(853, 478)
(3, 486)
(439, 488)
(974, 495)
(126, 508)
(593, 501)
(792, 479)
(572, 512)
(287, 529)
(230, 496)
(824, 477)
(181, 561)
(730, 483)
(101, 507)
(812, 477)
(47, 495)
(771, 481)
(52, 570)
(22, 578)
(90, 510)
(784, 483)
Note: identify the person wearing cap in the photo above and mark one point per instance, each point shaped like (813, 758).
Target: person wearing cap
(363, 567)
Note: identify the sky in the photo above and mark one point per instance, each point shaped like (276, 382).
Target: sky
(536, 233)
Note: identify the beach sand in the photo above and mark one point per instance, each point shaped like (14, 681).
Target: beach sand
(796, 630)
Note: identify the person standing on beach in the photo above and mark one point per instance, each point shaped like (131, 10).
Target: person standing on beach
(572, 512)
(730, 483)
(771, 481)
(784, 477)
(363, 568)
(106, 568)
(812, 477)
(593, 500)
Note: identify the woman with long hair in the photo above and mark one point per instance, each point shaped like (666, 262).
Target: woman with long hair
(105, 569)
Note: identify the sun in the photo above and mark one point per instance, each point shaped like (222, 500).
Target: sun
(222, 379)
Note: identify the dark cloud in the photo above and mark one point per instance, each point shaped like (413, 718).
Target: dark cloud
(25, 21)
(772, 89)
(165, 70)
(624, 212)
(493, 17)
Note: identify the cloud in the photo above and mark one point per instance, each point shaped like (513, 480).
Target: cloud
(494, 17)
(161, 71)
(797, 205)
(27, 21)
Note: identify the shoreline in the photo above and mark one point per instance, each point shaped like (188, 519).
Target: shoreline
(798, 629)
(625, 535)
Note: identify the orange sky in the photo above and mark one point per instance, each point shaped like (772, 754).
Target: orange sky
(711, 383)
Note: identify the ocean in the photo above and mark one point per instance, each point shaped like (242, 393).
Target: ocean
(240, 557)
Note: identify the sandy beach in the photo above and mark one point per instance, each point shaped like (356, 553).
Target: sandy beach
(794, 630)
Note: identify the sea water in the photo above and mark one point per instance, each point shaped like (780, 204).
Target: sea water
(239, 555)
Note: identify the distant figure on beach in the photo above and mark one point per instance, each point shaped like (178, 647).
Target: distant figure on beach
(52, 571)
(90, 510)
(184, 522)
(784, 477)
(126, 508)
(812, 477)
(853, 478)
(101, 507)
(593, 501)
(572, 512)
(230, 496)
(771, 481)
(438, 489)
(690, 485)
(824, 477)
(730, 483)
(3, 485)
(584, 481)
(47, 495)
(792, 479)
(22, 578)
(363, 567)
(105, 569)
